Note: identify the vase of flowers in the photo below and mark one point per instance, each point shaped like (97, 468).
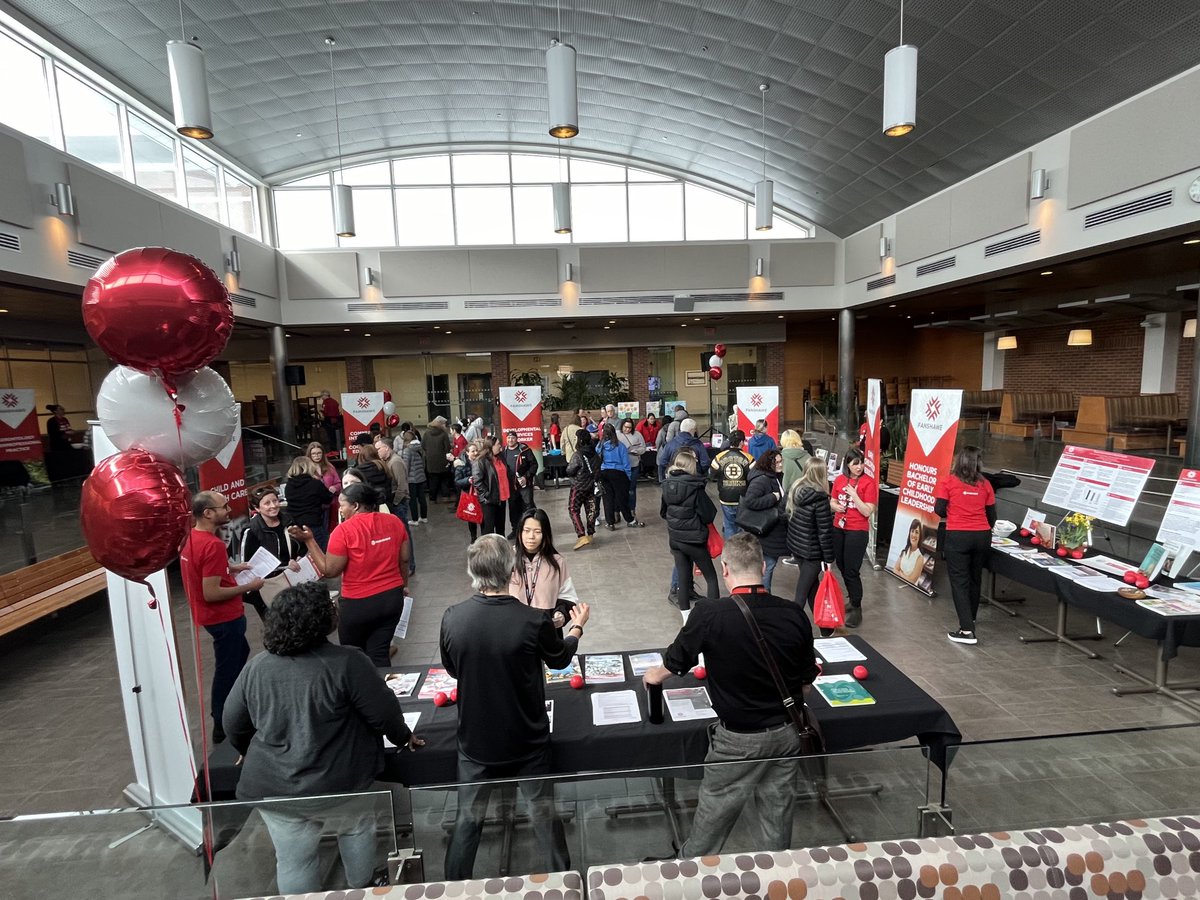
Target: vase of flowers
(1075, 534)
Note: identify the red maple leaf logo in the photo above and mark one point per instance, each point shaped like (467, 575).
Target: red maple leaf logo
(756, 399)
(364, 402)
(521, 396)
(10, 400)
(933, 408)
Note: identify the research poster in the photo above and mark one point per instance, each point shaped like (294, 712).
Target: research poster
(1098, 483)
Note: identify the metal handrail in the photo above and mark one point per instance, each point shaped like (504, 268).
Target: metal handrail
(271, 437)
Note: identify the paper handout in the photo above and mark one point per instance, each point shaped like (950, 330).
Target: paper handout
(262, 564)
(615, 708)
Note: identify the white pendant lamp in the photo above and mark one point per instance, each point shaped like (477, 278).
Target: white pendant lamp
(343, 194)
(900, 86)
(764, 191)
(189, 86)
(562, 207)
(562, 86)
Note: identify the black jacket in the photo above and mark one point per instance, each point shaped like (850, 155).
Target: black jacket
(276, 540)
(810, 529)
(308, 500)
(765, 490)
(376, 478)
(521, 464)
(583, 469)
(687, 509)
(462, 474)
(485, 479)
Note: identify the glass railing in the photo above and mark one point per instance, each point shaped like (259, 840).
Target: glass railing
(267, 456)
(320, 843)
(37, 521)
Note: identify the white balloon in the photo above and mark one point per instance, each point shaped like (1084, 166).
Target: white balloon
(714, 362)
(389, 408)
(135, 410)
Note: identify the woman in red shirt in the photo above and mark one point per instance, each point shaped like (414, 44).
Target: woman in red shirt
(853, 500)
(370, 551)
(968, 502)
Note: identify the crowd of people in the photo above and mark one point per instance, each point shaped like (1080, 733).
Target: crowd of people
(309, 716)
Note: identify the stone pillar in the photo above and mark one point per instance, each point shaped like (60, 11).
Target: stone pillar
(285, 420)
(501, 377)
(360, 374)
(847, 408)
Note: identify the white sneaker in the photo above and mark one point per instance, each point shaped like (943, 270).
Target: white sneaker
(426, 521)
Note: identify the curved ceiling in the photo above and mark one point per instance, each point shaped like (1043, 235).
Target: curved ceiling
(671, 82)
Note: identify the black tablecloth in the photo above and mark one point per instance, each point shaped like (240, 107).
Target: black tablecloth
(902, 711)
(1173, 631)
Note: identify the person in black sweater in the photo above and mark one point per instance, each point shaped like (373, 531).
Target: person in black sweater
(810, 529)
(765, 491)
(688, 511)
(495, 646)
(583, 470)
(266, 529)
(308, 498)
(308, 717)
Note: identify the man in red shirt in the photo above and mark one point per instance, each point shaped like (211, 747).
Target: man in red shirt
(215, 597)
(332, 414)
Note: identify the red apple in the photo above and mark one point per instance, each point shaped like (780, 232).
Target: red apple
(1129, 577)
(860, 672)
(1077, 553)
(700, 672)
(1025, 532)
(577, 681)
(453, 695)
(440, 699)
(1035, 540)
(1142, 583)
(1061, 551)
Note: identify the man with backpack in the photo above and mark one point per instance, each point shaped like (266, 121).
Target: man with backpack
(731, 470)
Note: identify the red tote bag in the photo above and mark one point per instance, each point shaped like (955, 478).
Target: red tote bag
(829, 608)
(716, 543)
(469, 508)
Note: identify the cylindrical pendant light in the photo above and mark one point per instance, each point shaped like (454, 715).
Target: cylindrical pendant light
(764, 191)
(562, 207)
(900, 90)
(562, 88)
(343, 210)
(189, 90)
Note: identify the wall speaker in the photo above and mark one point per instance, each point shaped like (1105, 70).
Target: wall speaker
(293, 376)
(685, 304)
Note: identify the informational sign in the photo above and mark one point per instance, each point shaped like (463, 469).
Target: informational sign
(359, 413)
(654, 407)
(874, 425)
(695, 378)
(19, 435)
(226, 474)
(932, 431)
(1181, 523)
(628, 409)
(1098, 483)
(755, 403)
(521, 410)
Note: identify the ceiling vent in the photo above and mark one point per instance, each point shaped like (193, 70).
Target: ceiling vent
(511, 304)
(929, 268)
(82, 260)
(243, 300)
(10, 242)
(1013, 243)
(648, 298)
(881, 282)
(397, 307)
(1132, 208)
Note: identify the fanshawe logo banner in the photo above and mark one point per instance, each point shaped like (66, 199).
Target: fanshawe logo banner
(521, 411)
(19, 434)
(754, 403)
(874, 424)
(226, 474)
(932, 431)
(359, 413)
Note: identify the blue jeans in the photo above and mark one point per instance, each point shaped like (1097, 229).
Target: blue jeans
(633, 474)
(770, 561)
(230, 652)
(401, 511)
(296, 828)
(731, 527)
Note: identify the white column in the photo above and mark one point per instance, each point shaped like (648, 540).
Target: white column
(1160, 352)
(993, 363)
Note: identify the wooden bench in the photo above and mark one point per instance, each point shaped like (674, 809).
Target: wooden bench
(979, 408)
(28, 594)
(1124, 422)
(1022, 413)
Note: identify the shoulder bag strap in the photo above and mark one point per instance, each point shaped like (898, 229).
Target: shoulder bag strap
(798, 712)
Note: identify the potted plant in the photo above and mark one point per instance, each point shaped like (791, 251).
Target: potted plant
(1074, 535)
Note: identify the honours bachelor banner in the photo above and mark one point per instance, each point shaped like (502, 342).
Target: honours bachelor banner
(754, 403)
(932, 431)
(521, 411)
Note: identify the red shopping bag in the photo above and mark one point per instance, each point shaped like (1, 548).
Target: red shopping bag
(716, 543)
(829, 608)
(469, 508)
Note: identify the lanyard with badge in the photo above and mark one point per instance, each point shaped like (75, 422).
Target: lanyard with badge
(530, 589)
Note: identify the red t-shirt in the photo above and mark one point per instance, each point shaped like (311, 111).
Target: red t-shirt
(502, 477)
(330, 408)
(371, 543)
(966, 504)
(852, 519)
(204, 556)
(458, 445)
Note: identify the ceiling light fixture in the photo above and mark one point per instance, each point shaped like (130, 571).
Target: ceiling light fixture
(1080, 337)
(764, 191)
(366, 334)
(1191, 241)
(760, 266)
(63, 198)
(1189, 328)
(900, 86)
(570, 272)
(189, 86)
(562, 86)
(1007, 342)
(561, 192)
(368, 275)
(1039, 183)
(1047, 272)
(343, 194)
(885, 247)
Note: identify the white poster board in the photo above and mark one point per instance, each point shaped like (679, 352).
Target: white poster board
(1098, 483)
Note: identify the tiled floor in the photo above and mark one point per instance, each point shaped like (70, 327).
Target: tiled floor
(64, 747)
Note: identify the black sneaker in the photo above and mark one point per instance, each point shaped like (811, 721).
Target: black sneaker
(673, 597)
(963, 637)
(218, 734)
(854, 617)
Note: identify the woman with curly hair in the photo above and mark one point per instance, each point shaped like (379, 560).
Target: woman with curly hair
(308, 717)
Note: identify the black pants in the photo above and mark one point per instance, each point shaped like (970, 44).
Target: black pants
(849, 548)
(807, 582)
(230, 652)
(965, 553)
(519, 500)
(615, 484)
(687, 555)
(472, 807)
(440, 483)
(493, 518)
(369, 623)
(418, 506)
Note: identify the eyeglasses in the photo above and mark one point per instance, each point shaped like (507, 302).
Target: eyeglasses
(226, 506)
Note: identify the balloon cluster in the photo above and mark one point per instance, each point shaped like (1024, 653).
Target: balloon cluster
(716, 363)
(162, 316)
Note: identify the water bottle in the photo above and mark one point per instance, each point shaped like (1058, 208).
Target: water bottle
(654, 694)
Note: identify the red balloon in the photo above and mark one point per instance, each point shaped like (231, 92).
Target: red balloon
(387, 396)
(719, 350)
(715, 373)
(155, 309)
(393, 420)
(136, 512)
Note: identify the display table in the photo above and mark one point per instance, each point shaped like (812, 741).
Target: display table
(1170, 632)
(902, 711)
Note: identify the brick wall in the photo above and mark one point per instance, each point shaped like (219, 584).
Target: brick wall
(1183, 372)
(639, 375)
(771, 368)
(1112, 366)
(360, 374)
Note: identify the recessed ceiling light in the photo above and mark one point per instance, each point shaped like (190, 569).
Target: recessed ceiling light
(1192, 241)
(285, 334)
(1048, 272)
(891, 306)
(612, 321)
(299, 134)
(447, 332)
(345, 329)
(366, 334)
(607, 327)
(3, 310)
(435, 327)
(779, 317)
(683, 324)
(529, 329)
(697, 319)
(908, 317)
